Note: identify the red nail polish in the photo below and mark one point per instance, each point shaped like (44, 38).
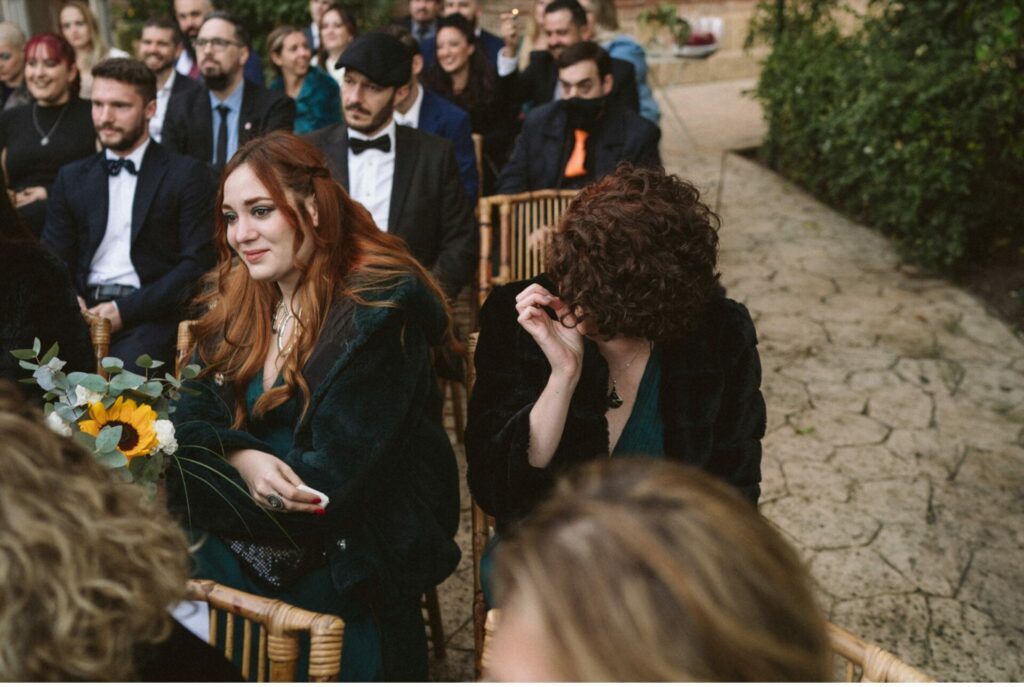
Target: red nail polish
(320, 511)
(316, 499)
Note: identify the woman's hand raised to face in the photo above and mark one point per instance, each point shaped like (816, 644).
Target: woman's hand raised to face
(272, 483)
(562, 346)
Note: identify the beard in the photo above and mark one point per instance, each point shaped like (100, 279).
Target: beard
(375, 123)
(217, 80)
(120, 140)
(158, 65)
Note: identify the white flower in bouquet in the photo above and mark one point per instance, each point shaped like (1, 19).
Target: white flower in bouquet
(57, 424)
(165, 438)
(84, 397)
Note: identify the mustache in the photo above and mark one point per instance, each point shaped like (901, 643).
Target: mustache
(357, 109)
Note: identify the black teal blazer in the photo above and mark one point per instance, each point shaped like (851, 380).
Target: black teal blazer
(429, 208)
(188, 126)
(542, 149)
(172, 229)
(711, 401)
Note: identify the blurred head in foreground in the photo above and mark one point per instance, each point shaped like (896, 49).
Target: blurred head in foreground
(88, 568)
(645, 571)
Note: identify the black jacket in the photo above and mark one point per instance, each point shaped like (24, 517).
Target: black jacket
(536, 84)
(188, 125)
(429, 208)
(542, 149)
(711, 401)
(172, 229)
(372, 440)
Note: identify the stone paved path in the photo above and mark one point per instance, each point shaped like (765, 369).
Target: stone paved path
(894, 457)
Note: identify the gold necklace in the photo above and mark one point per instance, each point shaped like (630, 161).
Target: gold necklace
(614, 400)
(282, 316)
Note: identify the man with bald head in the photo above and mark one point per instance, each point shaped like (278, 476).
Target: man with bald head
(189, 15)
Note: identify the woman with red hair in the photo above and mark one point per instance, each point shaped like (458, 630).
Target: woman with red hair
(315, 466)
(39, 138)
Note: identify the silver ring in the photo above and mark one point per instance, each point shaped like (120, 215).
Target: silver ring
(275, 501)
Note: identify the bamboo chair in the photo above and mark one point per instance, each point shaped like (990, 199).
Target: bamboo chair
(99, 335)
(430, 603)
(864, 662)
(478, 148)
(278, 625)
(483, 530)
(525, 223)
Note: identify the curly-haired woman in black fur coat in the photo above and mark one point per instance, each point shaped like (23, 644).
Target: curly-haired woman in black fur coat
(625, 347)
(36, 300)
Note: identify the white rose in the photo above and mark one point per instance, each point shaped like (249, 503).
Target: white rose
(56, 423)
(84, 397)
(165, 439)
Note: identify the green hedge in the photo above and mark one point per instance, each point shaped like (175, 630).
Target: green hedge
(912, 121)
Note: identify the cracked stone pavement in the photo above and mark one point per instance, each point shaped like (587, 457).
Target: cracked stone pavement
(893, 458)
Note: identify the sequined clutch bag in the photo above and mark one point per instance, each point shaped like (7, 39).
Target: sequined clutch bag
(278, 566)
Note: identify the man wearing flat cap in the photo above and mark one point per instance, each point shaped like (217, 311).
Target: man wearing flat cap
(407, 179)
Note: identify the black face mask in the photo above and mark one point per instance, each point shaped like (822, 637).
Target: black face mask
(585, 113)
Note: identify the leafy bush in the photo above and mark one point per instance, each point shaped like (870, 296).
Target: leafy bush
(913, 121)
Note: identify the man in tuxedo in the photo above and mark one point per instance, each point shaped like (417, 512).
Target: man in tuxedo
(159, 49)
(407, 179)
(212, 123)
(427, 111)
(485, 40)
(190, 15)
(134, 223)
(312, 30)
(565, 24)
(581, 138)
(421, 21)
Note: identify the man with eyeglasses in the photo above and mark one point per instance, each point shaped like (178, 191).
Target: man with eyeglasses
(230, 111)
(189, 15)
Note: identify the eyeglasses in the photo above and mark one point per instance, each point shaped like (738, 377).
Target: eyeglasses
(216, 44)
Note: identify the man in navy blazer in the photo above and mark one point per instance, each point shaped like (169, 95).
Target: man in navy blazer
(485, 40)
(421, 21)
(134, 223)
(427, 111)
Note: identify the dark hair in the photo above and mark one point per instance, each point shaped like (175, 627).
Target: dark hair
(404, 36)
(457, 21)
(241, 33)
(634, 255)
(347, 18)
(586, 51)
(579, 15)
(167, 24)
(483, 78)
(130, 71)
(61, 50)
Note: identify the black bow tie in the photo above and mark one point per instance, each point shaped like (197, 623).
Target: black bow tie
(381, 143)
(115, 166)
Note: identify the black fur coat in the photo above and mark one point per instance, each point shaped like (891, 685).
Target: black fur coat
(713, 410)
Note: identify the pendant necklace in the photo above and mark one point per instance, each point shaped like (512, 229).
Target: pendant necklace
(44, 139)
(282, 316)
(614, 400)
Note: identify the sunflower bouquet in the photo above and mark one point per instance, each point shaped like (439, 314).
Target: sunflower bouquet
(123, 419)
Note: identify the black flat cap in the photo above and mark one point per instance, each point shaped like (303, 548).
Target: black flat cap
(380, 58)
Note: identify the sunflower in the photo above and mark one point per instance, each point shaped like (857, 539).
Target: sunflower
(138, 437)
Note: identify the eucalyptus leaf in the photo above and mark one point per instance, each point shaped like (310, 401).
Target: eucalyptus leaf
(172, 380)
(190, 372)
(112, 364)
(108, 437)
(44, 378)
(124, 381)
(112, 459)
(50, 353)
(152, 389)
(86, 441)
(75, 378)
(23, 353)
(28, 380)
(144, 361)
(92, 382)
(67, 413)
(26, 365)
(36, 345)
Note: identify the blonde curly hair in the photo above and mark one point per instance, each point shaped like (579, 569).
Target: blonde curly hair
(88, 568)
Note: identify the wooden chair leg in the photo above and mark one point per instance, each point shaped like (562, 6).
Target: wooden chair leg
(434, 624)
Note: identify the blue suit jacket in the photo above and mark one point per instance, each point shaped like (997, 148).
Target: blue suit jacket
(447, 120)
(172, 229)
(486, 41)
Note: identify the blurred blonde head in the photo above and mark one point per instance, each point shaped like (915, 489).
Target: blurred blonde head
(643, 570)
(88, 569)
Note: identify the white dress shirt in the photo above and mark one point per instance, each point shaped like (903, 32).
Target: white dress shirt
(112, 262)
(184, 63)
(412, 117)
(163, 96)
(371, 175)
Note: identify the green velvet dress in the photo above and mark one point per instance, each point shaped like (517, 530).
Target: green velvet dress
(643, 436)
(313, 591)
